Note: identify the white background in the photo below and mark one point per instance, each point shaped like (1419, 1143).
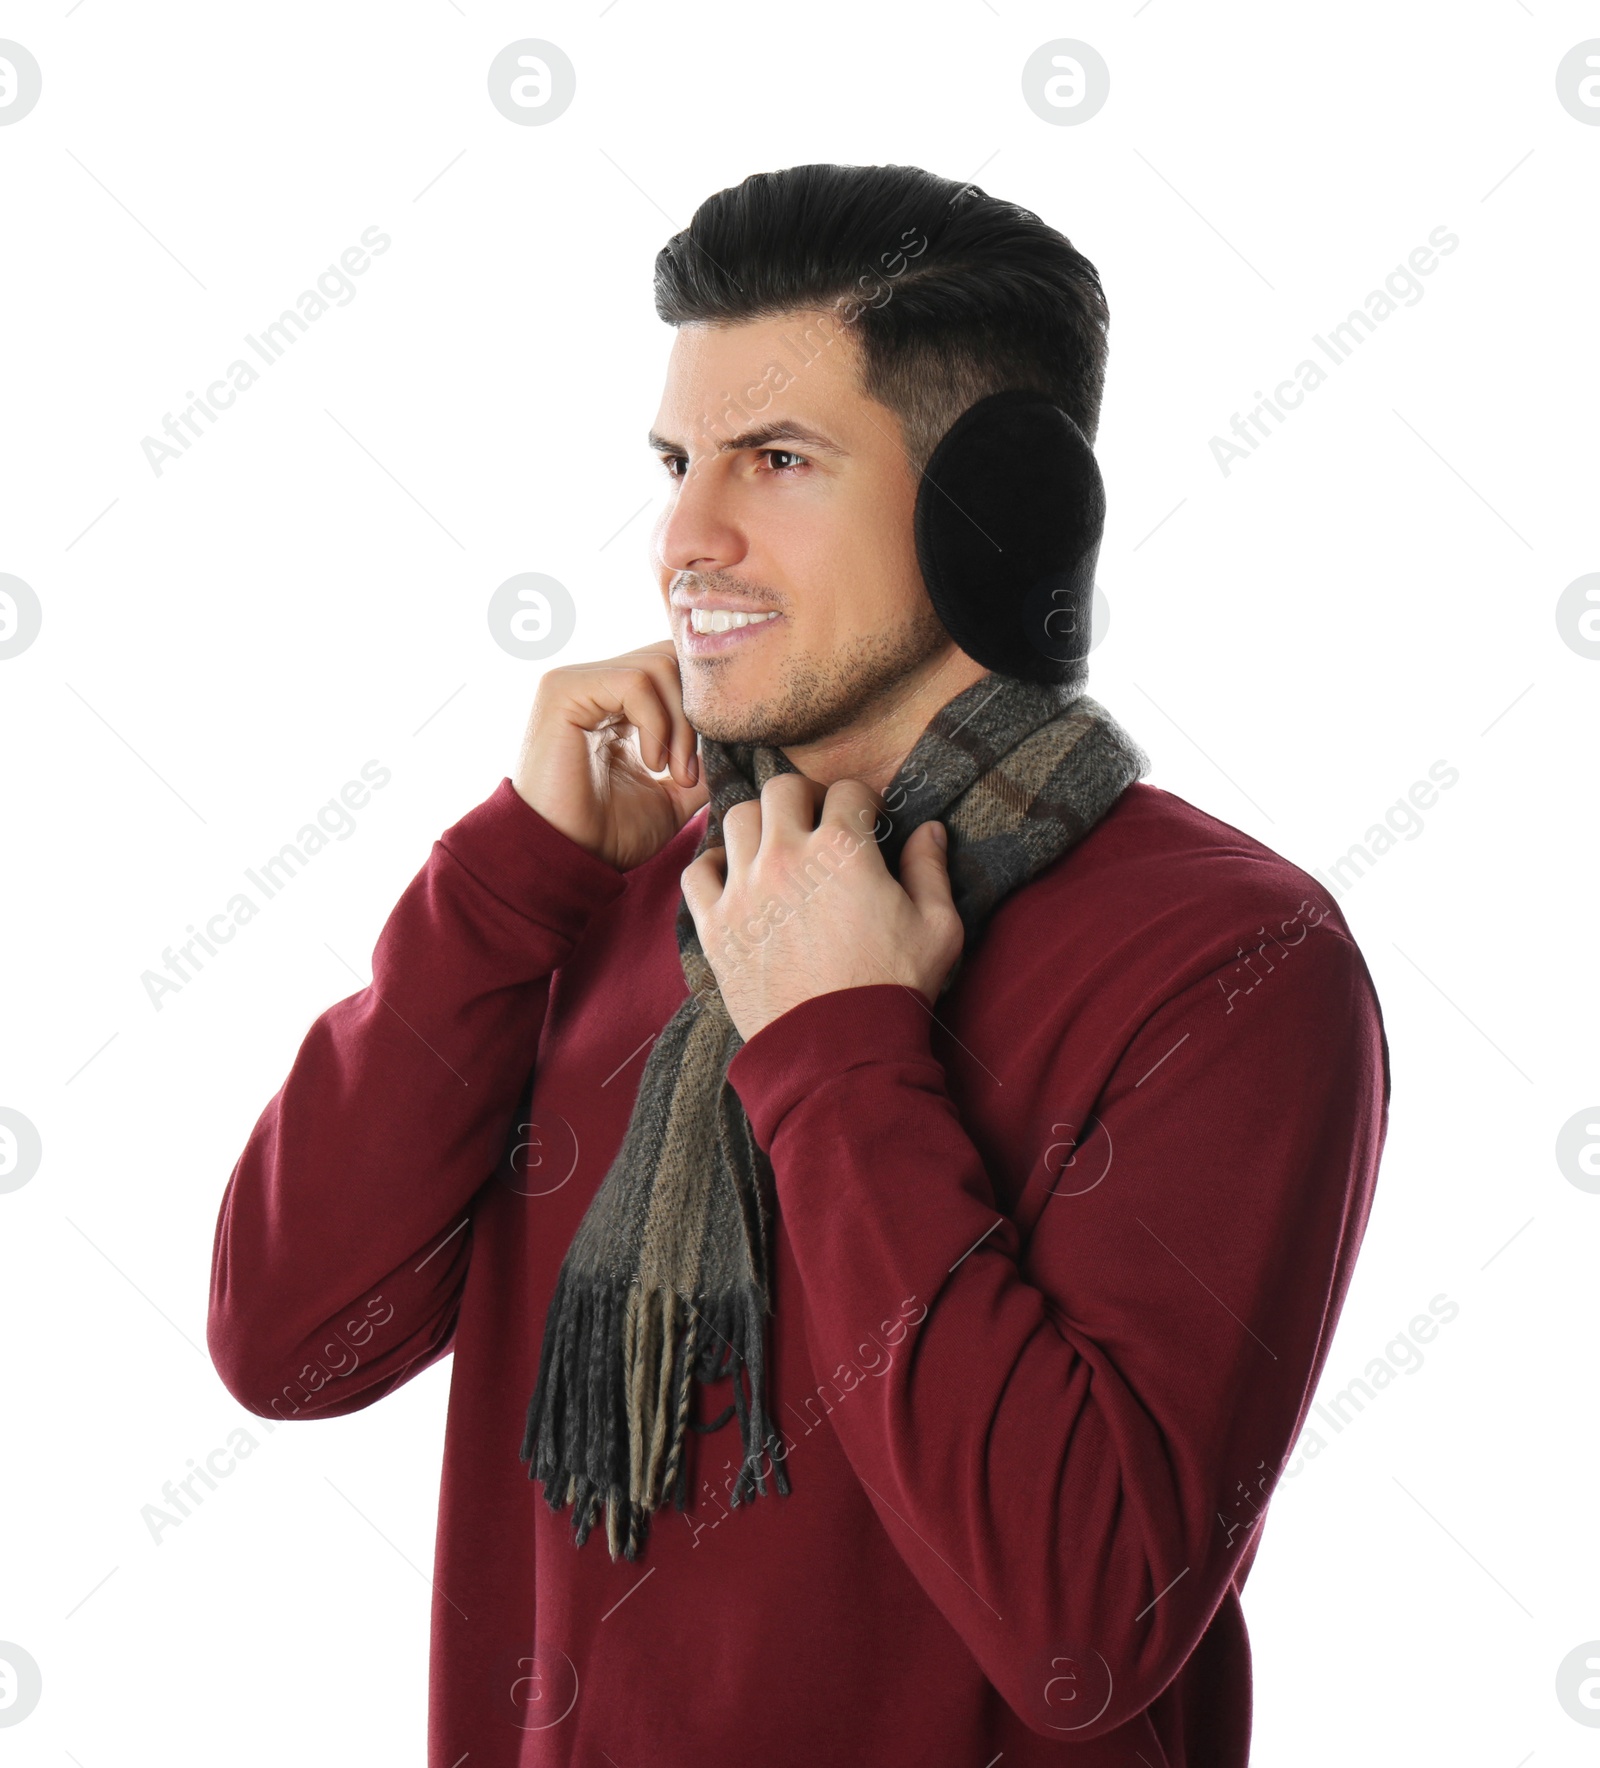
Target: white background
(1294, 642)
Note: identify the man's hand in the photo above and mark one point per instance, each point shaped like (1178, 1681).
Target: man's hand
(595, 733)
(788, 910)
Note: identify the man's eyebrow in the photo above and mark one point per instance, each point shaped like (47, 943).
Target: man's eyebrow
(763, 436)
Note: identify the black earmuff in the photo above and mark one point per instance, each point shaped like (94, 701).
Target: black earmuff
(1008, 522)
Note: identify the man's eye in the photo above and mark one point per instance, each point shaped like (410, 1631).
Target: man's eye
(783, 460)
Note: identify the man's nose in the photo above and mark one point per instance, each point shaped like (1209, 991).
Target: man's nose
(698, 531)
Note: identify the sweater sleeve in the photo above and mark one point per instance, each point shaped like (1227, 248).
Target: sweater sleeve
(1072, 1445)
(343, 1238)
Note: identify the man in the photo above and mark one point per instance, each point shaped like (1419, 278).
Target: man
(871, 1060)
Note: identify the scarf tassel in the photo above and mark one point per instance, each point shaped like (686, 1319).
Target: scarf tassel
(605, 1361)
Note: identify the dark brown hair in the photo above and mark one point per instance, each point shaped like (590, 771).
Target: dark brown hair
(949, 293)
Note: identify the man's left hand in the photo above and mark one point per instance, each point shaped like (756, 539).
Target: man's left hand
(786, 910)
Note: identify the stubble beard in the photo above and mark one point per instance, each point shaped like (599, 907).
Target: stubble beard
(821, 696)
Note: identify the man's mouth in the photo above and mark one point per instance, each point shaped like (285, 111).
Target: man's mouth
(723, 619)
(708, 632)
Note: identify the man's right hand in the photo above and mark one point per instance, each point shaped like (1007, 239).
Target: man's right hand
(581, 765)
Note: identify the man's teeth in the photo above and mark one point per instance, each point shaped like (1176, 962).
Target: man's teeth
(722, 620)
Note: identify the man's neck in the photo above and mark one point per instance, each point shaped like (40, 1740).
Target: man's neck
(874, 749)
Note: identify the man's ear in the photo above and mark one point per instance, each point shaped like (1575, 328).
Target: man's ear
(1008, 520)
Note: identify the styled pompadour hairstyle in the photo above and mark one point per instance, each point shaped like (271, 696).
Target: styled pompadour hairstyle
(948, 293)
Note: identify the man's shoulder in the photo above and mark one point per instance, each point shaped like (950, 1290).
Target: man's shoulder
(1171, 889)
(1153, 839)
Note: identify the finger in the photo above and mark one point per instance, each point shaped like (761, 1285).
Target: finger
(852, 805)
(662, 659)
(703, 882)
(741, 833)
(924, 870)
(645, 694)
(610, 700)
(789, 806)
(636, 693)
(678, 738)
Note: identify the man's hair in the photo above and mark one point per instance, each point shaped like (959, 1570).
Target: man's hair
(949, 294)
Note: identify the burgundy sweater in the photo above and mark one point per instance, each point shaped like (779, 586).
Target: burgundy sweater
(1056, 1267)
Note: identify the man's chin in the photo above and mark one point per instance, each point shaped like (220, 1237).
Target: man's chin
(730, 730)
(731, 718)
(721, 700)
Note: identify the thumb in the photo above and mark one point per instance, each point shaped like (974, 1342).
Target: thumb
(925, 867)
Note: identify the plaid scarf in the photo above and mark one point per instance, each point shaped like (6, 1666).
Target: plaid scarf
(667, 1278)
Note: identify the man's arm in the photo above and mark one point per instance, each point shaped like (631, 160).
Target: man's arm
(343, 1238)
(1071, 1446)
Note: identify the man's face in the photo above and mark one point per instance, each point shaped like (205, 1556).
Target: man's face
(792, 494)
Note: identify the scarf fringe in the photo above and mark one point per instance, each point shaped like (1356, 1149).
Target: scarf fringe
(604, 1358)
